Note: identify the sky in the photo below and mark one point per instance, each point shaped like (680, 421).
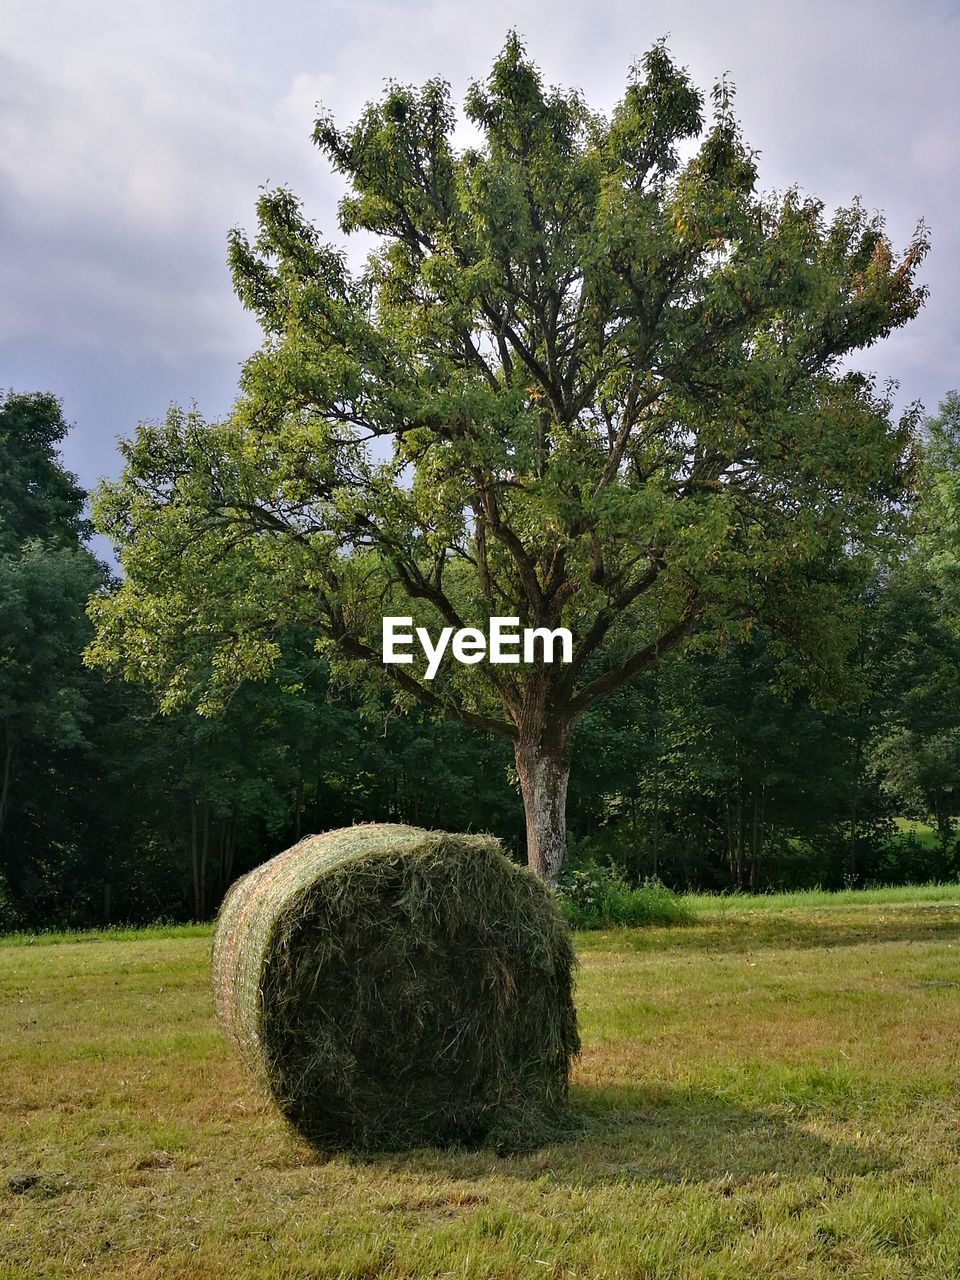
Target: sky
(134, 135)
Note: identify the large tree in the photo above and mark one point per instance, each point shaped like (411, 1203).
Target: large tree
(581, 380)
(46, 576)
(917, 644)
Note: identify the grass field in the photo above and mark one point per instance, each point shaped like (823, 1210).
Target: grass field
(771, 1092)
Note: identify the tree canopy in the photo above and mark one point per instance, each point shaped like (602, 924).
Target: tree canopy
(587, 377)
(39, 498)
(45, 579)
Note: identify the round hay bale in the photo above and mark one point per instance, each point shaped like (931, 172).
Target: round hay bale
(393, 987)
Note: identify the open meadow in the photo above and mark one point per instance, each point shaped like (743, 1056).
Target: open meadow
(771, 1091)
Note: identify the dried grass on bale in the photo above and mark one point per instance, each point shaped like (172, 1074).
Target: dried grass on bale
(394, 987)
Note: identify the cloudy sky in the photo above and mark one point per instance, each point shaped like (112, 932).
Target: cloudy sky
(133, 134)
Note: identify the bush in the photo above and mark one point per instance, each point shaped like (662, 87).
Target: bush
(596, 897)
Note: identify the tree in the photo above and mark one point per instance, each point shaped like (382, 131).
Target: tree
(579, 382)
(43, 628)
(918, 644)
(46, 576)
(39, 498)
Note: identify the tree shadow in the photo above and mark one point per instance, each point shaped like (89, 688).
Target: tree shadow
(627, 1134)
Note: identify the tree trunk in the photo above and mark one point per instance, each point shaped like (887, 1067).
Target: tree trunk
(231, 845)
(298, 806)
(755, 845)
(853, 867)
(6, 773)
(543, 767)
(204, 861)
(194, 858)
(944, 822)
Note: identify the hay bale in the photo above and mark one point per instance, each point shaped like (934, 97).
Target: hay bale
(393, 987)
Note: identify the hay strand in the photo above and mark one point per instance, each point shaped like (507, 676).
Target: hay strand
(392, 987)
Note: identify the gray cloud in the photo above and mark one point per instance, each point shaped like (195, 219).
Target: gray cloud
(133, 135)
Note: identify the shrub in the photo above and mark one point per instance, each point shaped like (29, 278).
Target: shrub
(596, 897)
(391, 987)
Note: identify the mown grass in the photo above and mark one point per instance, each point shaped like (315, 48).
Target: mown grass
(771, 1092)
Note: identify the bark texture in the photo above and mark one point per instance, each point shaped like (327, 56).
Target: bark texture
(544, 771)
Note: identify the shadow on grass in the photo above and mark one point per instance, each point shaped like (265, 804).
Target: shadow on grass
(772, 930)
(629, 1135)
(694, 1135)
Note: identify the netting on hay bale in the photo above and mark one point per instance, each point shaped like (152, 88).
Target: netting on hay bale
(392, 987)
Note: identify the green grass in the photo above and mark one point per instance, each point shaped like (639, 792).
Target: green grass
(771, 1092)
(705, 905)
(119, 933)
(925, 835)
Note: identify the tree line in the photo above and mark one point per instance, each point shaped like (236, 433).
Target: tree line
(707, 772)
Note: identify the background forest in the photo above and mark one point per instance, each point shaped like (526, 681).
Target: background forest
(704, 772)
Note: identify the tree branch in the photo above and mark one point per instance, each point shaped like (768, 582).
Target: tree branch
(356, 648)
(640, 661)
